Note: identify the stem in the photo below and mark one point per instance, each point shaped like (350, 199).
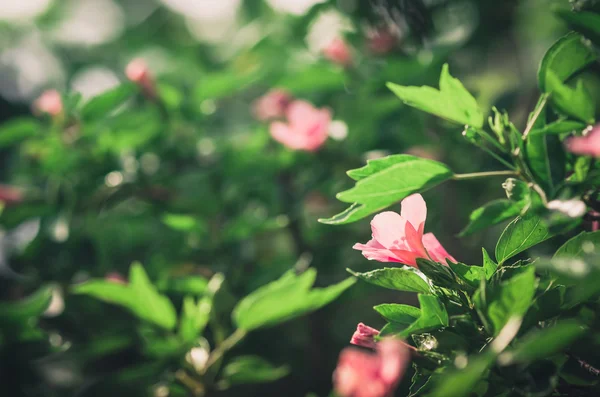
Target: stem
(500, 159)
(491, 140)
(535, 117)
(477, 175)
(227, 345)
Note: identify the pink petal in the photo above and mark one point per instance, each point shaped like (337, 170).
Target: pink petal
(364, 336)
(435, 249)
(395, 357)
(388, 229)
(301, 112)
(285, 135)
(414, 240)
(374, 253)
(414, 210)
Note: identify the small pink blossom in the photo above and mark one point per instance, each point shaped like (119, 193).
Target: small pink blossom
(138, 72)
(588, 145)
(362, 374)
(337, 51)
(272, 105)
(306, 129)
(364, 336)
(399, 237)
(49, 102)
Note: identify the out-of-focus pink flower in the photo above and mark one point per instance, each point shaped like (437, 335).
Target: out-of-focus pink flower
(400, 238)
(49, 102)
(138, 72)
(10, 195)
(588, 145)
(364, 336)
(337, 51)
(115, 277)
(381, 41)
(272, 105)
(362, 374)
(306, 127)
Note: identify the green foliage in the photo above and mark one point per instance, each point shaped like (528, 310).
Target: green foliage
(395, 278)
(519, 235)
(288, 297)
(251, 369)
(451, 102)
(103, 104)
(492, 213)
(384, 182)
(138, 296)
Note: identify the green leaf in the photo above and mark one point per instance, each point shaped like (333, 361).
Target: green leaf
(491, 214)
(195, 315)
(546, 159)
(139, 296)
(544, 343)
(396, 313)
(100, 105)
(188, 285)
(521, 234)
(511, 298)
(559, 127)
(461, 382)
(489, 266)
(451, 102)
(225, 83)
(31, 307)
(583, 243)
(471, 275)
(395, 278)
(289, 297)
(566, 56)
(440, 275)
(251, 369)
(585, 22)
(575, 102)
(433, 316)
(18, 129)
(386, 182)
(180, 222)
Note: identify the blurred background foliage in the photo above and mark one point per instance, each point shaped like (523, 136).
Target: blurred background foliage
(191, 184)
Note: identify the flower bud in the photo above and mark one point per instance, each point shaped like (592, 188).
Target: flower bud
(50, 102)
(364, 336)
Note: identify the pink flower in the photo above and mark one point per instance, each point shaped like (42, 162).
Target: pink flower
(588, 145)
(137, 71)
(400, 238)
(272, 105)
(364, 336)
(306, 129)
(49, 102)
(362, 374)
(337, 51)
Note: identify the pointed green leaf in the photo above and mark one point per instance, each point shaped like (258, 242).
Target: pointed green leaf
(251, 369)
(511, 298)
(397, 313)
(433, 316)
(440, 275)
(575, 102)
(100, 105)
(491, 214)
(139, 296)
(451, 102)
(386, 182)
(17, 130)
(559, 127)
(544, 343)
(568, 55)
(395, 278)
(30, 307)
(546, 159)
(583, 243)
(489, 265)
(586, 22)
(290, 296)
(471, 275)
(521, 234)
